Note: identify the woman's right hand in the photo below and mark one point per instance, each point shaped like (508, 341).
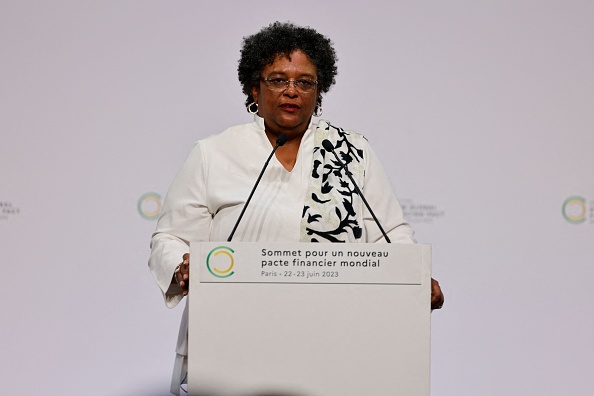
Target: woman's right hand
(182, 273)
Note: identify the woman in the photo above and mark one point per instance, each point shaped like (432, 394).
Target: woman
(303, 196)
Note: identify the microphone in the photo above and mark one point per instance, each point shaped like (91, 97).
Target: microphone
(282, 139)
(329, 147)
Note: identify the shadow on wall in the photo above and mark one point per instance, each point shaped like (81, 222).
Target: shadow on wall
(260, 393)
(217, 391)
(274, 393)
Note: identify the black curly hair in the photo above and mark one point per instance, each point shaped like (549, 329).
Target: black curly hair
(279, 38)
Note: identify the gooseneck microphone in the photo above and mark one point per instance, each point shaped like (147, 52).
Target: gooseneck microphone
(282, 139)
(329, 147)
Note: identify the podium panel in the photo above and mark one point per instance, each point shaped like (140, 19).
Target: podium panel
(294, 319)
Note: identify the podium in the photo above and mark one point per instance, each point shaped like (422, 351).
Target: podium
(304, 319)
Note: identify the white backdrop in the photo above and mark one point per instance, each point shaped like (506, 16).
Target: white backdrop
(480, 111)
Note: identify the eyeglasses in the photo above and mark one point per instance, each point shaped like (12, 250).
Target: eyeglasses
(280, 84)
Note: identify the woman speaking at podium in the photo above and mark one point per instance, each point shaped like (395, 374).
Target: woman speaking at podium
(304, 195)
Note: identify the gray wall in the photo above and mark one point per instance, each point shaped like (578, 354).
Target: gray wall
(481, 112)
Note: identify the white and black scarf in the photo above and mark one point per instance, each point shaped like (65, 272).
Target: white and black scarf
(333, 210)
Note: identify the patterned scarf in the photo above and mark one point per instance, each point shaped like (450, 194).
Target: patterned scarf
(333, 210)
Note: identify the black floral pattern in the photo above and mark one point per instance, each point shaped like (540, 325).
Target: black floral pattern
(332, 213)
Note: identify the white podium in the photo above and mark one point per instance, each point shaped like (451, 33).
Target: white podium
(296, 319)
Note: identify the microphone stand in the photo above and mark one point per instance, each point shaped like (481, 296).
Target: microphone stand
(329, 147)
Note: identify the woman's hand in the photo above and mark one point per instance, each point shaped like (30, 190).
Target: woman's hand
(182, 273)
(437, 298)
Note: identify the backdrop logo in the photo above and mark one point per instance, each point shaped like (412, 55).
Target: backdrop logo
(149, 205)
(421, 212)
(574, 209)
(7, 210)
(221, 266)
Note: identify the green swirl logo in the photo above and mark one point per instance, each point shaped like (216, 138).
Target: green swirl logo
(574, 209)
(149, 206)
(220, 262)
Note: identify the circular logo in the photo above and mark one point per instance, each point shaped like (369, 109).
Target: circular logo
(220, 262)
(149, 206)
(574, 209)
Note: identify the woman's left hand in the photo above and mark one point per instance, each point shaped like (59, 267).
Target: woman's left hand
(437, 298)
